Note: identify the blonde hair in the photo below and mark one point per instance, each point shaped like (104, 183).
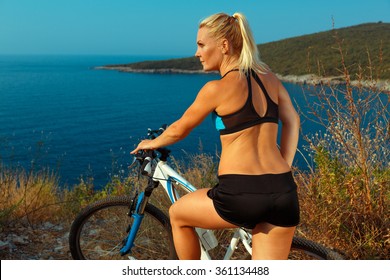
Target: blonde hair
(236, 30)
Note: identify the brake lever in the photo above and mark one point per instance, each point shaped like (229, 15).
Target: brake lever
(152, 134)
(133, 163)
(163, 128)
(136, 159)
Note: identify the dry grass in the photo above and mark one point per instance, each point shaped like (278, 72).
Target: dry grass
(31, 197)
(345, 195)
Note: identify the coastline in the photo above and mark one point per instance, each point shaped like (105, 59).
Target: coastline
(314, 80)
(152, 71)
(308, 79)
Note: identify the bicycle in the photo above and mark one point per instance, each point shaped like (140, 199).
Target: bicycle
(127, 227)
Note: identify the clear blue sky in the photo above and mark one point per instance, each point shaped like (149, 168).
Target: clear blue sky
(163, 27)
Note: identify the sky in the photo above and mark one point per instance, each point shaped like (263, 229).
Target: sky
(163, 27)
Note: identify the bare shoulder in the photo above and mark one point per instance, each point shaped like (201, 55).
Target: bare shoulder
(208, 96)
(270, 80)
(210, 89)
(273, 85)
(211, 86)
(280, 92)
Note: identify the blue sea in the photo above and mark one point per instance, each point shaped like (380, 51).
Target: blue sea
(59, 113)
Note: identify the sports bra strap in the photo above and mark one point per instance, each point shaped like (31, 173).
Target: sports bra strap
(247, 115)
(260, 83)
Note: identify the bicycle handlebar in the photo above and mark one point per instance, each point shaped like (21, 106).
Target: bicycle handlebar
(154, 133)
(145, 158)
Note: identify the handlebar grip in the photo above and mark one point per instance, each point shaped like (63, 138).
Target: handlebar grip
(146, 167)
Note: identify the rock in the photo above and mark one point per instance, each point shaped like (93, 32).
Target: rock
(59, 249)
(19, 240)
(4, 245)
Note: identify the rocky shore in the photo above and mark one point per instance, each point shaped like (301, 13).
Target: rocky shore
(152, 71)
(41, 242)
(309, 79)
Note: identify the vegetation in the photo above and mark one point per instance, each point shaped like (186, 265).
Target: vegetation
(311, 54)
(190, 63)
(346, 194)
(319, 53)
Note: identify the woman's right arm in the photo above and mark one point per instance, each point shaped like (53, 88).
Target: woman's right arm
(290, 125)
(205, 102)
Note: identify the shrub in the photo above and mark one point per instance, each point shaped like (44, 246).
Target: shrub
(345, 196)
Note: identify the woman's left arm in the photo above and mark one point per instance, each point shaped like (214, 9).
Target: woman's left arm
(290, 126)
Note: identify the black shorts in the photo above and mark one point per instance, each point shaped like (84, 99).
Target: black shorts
(247, 200)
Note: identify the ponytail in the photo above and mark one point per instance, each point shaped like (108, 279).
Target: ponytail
(249, 56)
(237, 31)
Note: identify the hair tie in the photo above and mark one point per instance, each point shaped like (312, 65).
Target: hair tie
(232, 18)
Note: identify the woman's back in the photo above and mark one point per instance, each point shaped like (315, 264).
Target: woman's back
(253, 149)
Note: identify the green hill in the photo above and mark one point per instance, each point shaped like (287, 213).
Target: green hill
(316, 53)
(319, 53)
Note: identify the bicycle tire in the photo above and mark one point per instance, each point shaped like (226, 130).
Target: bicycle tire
(99, 231)
(303, 249)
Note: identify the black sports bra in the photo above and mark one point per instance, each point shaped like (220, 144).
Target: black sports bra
(247, 116)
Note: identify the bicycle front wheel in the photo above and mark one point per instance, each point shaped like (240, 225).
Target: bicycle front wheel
(99, 232)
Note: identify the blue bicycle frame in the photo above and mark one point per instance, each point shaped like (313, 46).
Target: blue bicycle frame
(167, 177)
(135, 226)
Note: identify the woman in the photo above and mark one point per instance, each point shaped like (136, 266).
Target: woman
(256, 189)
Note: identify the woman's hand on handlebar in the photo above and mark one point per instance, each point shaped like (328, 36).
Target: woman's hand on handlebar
(143, 145)
(147, 143)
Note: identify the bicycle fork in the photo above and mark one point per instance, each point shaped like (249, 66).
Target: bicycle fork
(137, 214)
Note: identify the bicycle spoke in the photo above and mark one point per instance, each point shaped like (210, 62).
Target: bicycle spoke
(99, 233)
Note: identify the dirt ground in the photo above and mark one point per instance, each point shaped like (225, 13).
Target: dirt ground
(44, 242)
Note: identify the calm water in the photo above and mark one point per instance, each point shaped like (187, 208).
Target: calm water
(58, 112)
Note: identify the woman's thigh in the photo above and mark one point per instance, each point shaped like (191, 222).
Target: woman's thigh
(271, 242)
(197, 210)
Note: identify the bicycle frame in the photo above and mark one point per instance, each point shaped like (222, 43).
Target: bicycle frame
(170, 180)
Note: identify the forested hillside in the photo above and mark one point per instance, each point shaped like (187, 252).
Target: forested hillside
(366, 46)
